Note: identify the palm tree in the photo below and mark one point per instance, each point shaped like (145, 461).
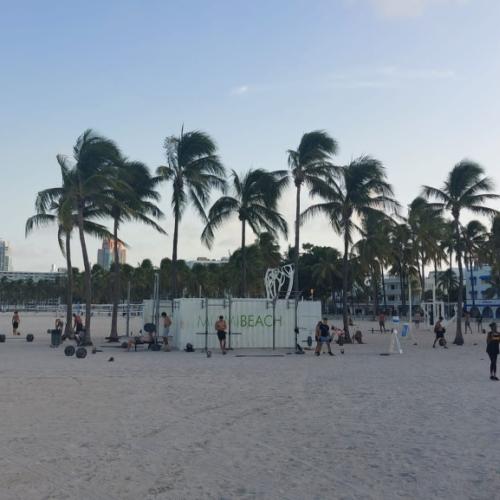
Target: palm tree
(361, 189)
(56, 206)
(254, 201)
(194, 170)
(133, 199)
(474, 237)
(465, 188)
(93, 160)
(310, 166)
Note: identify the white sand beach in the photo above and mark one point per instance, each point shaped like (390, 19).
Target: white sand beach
(155, 425)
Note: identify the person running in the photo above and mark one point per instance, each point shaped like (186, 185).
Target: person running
(439, 330)
(323, 337)
(167, 322)
(467, 322)
(16, 319)
(492, 349)
(220, 328)
(381, 322)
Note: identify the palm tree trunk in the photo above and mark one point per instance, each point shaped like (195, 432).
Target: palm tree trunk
(174, 255)
(243, 261)
(116, 285)
(345, 263)
(459, 339)
(297, 242)
(296, 254)
(88, 277)
(375, 294)
(422, 280)
(383, 287)
(471, 273)
(68, 331)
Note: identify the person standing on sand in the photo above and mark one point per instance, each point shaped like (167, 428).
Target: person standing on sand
(16, 319)
(381, 322)
(323, 337)
(77, 325)
(479, 320)
(467, 322)
(439, 330)
(492, 349)
(220, 328)
(418, 319)
(167, 322)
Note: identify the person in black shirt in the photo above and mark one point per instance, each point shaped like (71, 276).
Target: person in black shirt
(439, 330)
(492, 349)
(323, 337)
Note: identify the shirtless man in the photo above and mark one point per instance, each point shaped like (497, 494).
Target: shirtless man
(220, 328)
(15, 323)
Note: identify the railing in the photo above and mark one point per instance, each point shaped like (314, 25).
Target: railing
(60, 309)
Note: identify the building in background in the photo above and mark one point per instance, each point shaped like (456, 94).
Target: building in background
(106, 254)
(204, 261)
(34, 276)
(481, 295)
(5, 264)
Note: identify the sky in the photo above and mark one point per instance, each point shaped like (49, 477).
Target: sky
(414, 83)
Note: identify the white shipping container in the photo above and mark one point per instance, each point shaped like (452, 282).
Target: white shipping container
(250, 321)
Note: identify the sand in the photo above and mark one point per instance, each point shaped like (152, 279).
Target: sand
(154, 425)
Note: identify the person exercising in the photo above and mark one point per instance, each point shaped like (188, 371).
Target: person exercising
(492, 348)
(220, 328)
(16, 319)
(439, 330)
(323, 337)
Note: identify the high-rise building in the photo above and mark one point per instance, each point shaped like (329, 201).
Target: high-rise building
(4, 256)
(106, 254)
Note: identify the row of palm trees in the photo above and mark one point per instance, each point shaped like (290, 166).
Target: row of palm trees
(99, 183)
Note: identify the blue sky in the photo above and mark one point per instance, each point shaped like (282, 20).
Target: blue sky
(415, 83)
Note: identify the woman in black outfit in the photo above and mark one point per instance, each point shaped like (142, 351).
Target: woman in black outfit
(492, 349)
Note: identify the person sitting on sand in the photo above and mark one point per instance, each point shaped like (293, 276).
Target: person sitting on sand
(141, 339)
(16, 319)
(439, 330)
(323, 337)
(492, 349)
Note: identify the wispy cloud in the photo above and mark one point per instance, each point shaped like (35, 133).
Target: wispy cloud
(406, 8)
(242, 89)
(387, 77)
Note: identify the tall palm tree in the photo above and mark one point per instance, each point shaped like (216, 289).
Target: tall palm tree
(465, 188)
(310, 166)
(361, 189)
(474, 237)
(194, 169)
(55, 206)
(254, 201)
(133, 199)
(92, 161)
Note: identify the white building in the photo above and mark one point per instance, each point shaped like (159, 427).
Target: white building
(204, 261)
(5, 263)
(29, 275)
(476, 286)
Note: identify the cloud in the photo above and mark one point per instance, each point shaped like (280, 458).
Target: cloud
(242, 89)
(386, 77)
(407, 8)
